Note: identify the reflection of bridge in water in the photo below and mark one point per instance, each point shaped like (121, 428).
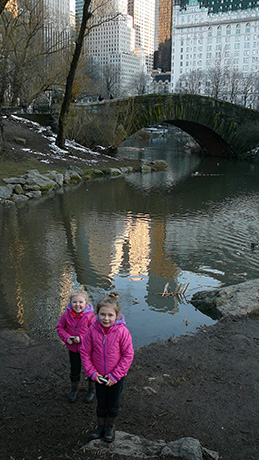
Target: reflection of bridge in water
(221, 128)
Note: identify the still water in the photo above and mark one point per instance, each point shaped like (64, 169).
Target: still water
(192, 224)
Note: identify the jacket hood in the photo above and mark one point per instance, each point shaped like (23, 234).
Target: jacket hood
(87, 309)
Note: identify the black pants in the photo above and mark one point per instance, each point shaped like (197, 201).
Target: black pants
(108, 399)
(75, 366)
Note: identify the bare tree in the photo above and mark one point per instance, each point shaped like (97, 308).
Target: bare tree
(104, 13)
(191, 83)
(60, 141)
(233, 85)
(2, 7)
(249, 84)
(28, 49)
(139, 84)
(110, 78)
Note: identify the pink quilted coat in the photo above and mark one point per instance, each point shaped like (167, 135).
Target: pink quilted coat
(108, 353)
(69, 325)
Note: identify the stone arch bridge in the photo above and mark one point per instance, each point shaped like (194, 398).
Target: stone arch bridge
(221, 128)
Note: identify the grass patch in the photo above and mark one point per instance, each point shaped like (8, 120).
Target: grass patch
(9, 168)
(177, 381)
(255, 313)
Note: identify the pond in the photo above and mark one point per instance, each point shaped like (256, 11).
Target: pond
(191, 226)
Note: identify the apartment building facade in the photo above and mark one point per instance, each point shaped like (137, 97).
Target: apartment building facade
(203, 36)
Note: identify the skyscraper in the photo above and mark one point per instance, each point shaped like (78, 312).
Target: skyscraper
(143, 13)
(57, 20)
(111, 44)
(164, 34)
(79, 4)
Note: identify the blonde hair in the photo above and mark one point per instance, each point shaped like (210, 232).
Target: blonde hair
(111, 300)
(80, 291)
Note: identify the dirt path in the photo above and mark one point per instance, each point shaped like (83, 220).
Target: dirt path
(204, 386)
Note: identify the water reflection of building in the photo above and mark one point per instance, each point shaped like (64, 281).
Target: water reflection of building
(132, 247)
(114, 244)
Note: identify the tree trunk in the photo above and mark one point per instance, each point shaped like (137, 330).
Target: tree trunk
(1, 133)
(60, 141)
(2, 7)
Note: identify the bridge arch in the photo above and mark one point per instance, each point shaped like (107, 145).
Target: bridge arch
(221, 128)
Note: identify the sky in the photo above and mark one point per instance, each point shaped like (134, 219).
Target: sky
(72, 5)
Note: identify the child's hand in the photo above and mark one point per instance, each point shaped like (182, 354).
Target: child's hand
(77, 339)
(70, 340)
(97, 379)
(110, 382)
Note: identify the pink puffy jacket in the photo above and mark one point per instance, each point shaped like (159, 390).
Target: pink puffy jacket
(108, 353)
(69, 325)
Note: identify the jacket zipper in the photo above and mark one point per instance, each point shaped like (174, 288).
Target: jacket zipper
(104, 356)
(104, 349)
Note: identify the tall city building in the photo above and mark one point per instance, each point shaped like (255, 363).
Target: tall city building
(206, 36)
(111, 44)
(79, 5)
(217, 6)
(164, 35)
(144, 13)
(58, 13)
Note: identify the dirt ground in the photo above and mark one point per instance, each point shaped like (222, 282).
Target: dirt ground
(39, 147)
(204, 386)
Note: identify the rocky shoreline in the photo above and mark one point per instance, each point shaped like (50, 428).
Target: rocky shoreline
(33, 184)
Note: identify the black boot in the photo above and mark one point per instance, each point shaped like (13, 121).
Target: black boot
(72, 397)
(74, 391)
(99, 430)
(109, 433)
(91, 391)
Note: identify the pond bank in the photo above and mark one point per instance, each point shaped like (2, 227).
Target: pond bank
(26, 140)
(204, 386)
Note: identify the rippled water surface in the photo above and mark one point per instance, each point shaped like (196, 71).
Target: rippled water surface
(192, 224)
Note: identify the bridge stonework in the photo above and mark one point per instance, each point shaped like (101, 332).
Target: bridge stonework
(221, 128)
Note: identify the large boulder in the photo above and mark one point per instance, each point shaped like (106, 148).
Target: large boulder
(130, 446)
(33, 177)
(238, 299)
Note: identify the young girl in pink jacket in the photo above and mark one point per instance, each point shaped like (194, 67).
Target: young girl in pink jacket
(72, 327)
(107, 354)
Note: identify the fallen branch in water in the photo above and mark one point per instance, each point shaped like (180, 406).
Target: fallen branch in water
(179, 292)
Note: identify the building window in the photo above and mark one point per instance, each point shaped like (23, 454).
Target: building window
(228, 30)
(238, 29)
